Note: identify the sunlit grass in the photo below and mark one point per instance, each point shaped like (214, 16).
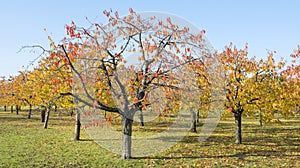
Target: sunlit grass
(24, 143)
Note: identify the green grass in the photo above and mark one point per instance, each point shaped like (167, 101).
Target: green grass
(24, 143)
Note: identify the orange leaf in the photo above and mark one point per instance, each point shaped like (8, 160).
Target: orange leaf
(135, 100)
(144, 107)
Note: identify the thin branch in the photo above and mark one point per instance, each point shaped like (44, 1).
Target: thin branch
(110, 109)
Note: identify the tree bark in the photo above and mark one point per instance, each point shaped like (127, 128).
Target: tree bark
(71, 112)
(198, 116)
(238, 122)
(193, 122)
(17, 109)
(29, 112)
(141, 118)
(43, 113)
(260, 119)
(47, 117)
(126, 139)
(77, 126)
(11, 109)
(4, 108)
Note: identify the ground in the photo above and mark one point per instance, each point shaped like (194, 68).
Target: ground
(24, 143)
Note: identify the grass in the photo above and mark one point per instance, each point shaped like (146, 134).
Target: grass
(24, 143)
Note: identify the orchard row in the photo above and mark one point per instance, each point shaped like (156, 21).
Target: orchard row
(172, 69)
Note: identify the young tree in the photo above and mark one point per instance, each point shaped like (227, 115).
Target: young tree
(237, 68)
(5, 93)
(292, 73)
(28, 96)
(251, 86)
(48, 81)
(15, 83)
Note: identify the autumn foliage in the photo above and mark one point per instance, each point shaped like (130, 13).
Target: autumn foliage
(93, 66)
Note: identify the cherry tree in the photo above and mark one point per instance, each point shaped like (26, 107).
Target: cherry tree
(254, 86)
(118, 66)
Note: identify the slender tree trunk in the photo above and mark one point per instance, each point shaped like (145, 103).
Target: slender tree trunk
(141, 118)
(17, 109)
(260, 119)
(4, 108)
(238, 122)
(193, 122)
(77, 125)
(55, 108)
(29, 112)
(198, 116)
(11, 109)
(43, 113)
(47, 117)
(126, 139)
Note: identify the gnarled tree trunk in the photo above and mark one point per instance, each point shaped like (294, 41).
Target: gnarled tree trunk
(126, 139)
(77, 125)
(238, 124)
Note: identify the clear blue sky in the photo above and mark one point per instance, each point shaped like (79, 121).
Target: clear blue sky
(264, 24)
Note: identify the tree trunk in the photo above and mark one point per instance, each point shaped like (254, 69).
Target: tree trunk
(193, 122)
(141, 118)
(4, 108)
(260, 119)
(55, 108)
(198, 116)
(126, 139)
(11, 109)
(71, 113)
(29, 112)
(77, 125)
(43, 113)
(47, 117)
(238, 123)
(17, 109)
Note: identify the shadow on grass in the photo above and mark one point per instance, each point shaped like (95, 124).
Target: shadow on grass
(85, 140)
(17, 118)
(241, 156)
